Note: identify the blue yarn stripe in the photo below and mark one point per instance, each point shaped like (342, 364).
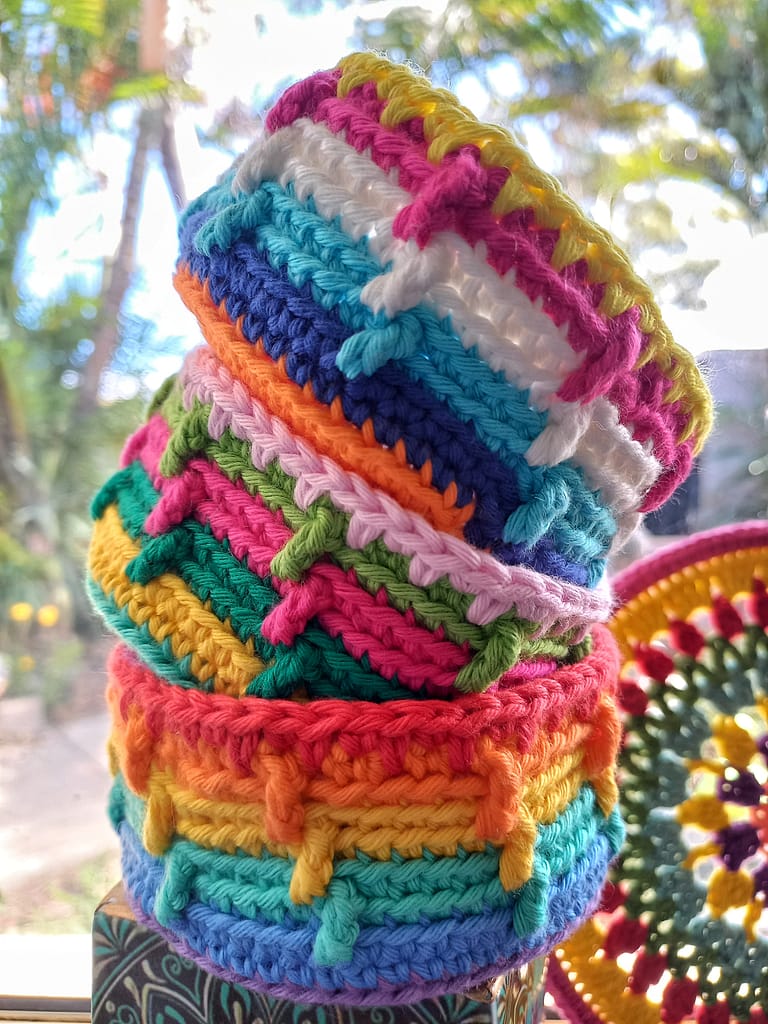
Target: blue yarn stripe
(286, 232)
(429, 950)
(402, 894)
(287, 229)
(291, 324)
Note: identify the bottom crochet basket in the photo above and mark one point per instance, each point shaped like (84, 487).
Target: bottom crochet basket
(358, 853)
(684, 929)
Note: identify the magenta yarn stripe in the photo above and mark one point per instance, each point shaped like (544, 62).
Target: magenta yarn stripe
(147, 446)
(496, 588)
(366, 625)
(613, 343)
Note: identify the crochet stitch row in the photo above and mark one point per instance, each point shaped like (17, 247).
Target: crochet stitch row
(436, 817)
(390, 965)
(220, 586)
(471, 446)
(488, 786)
(473, 180)
(497, 324)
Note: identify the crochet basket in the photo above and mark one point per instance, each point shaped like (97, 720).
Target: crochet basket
(364, 712)
(684, 926)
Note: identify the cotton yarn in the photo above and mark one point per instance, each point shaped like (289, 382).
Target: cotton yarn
(364, 712)
(684, 927)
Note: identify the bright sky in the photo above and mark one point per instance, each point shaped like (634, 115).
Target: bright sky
(240, 60)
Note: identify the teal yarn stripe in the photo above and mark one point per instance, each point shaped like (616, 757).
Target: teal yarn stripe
(316, 661)
(157, 655)
(313, 251)
(403, 890)
(502, 643)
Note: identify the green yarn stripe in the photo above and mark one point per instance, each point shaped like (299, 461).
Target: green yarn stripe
(400, 889)
(316, 661)
(499, 644)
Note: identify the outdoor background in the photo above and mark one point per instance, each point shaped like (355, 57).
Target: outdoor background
(113, 114)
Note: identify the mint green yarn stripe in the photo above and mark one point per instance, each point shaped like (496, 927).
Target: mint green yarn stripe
(312, 250)
(500, 644)
(158, 656)
(403, 890)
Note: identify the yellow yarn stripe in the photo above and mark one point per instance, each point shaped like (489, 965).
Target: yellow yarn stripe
(330, 831)
(648, 614)
(171, 612)
(610, 997)
(448, 125)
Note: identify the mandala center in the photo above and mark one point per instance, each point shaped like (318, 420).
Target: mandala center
(726, 818)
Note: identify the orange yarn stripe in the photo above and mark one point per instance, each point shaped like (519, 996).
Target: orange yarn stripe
(325, 427)
(352, 804)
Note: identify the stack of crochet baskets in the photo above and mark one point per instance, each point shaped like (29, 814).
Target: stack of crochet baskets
(364, 718)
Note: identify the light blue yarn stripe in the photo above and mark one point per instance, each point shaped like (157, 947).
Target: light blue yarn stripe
(430, 950)
(366, 892)
(315, 252)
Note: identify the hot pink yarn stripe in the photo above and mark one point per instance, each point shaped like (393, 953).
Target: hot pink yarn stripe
(457, 195)
(366, 624)
(496, 588)
(204, 492)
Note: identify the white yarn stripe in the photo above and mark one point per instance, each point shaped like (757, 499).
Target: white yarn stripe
(605, 451)
(556, 605)
(512, 334)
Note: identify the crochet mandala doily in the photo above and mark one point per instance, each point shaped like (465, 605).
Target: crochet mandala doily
(683, 928)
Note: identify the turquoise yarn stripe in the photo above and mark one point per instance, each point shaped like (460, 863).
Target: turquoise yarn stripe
(405, 891)
(313, 251)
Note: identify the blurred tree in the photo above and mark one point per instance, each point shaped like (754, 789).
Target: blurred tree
(726, 91)
(64, 67)
(616, 96)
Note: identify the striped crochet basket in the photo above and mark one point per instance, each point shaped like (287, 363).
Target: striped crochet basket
(683, 930)
(364, 711)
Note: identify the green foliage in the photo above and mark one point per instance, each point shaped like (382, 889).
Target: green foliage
(728, 92)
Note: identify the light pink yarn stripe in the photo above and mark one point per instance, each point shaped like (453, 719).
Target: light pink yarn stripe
(497, 588)
(203, 489)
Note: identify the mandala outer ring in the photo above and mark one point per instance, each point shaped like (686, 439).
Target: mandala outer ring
(703, 574)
